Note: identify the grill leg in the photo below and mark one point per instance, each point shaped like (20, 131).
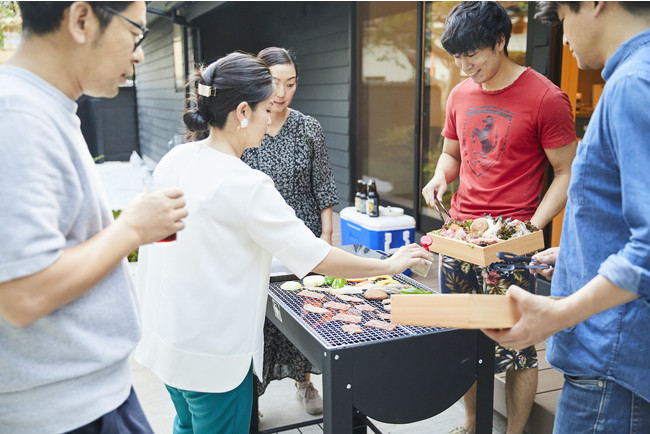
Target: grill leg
(339, 416)
(358, 423)
(484, 385)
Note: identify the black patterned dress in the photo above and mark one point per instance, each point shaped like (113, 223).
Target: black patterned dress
(297, 161)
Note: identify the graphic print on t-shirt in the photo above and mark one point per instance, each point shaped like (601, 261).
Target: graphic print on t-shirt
(484, 137)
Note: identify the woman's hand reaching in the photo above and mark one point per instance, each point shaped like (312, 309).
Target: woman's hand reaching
(408, 256)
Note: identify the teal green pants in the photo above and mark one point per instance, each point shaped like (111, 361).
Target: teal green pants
(214, 413)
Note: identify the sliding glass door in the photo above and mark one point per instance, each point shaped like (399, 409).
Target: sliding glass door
(386, 91)
(404, 77)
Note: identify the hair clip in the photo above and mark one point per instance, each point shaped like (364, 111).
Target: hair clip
(207, 91)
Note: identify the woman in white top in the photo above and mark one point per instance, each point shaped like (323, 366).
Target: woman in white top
(204, 296)
(294, 154)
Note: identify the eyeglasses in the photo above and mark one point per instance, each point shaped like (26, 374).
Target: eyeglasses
(144, 30)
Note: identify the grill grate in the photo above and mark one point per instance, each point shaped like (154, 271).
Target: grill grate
(327, 331)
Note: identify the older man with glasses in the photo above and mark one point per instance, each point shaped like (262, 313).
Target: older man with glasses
(143, 30)
(68, 319)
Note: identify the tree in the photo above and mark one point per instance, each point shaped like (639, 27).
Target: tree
(8, 11)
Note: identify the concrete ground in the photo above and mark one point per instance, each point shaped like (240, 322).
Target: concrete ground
(278, 405)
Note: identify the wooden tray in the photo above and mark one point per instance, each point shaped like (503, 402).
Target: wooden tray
(484, 256)
(464, 311)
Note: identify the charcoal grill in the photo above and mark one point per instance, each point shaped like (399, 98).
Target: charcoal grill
(403, 376)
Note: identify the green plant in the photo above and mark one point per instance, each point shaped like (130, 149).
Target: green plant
(8, 10)
(133, 256)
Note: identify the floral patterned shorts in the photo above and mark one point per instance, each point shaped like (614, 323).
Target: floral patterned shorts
(460, 277)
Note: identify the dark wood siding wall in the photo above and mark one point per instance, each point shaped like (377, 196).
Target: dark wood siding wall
(318, 32)
(160, 107)
(542, 45)
(321, 41)
(320, 35)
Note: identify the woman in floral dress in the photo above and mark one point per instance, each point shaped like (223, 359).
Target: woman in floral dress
(294, 154)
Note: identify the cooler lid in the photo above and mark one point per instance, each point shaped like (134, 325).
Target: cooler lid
(381, 223)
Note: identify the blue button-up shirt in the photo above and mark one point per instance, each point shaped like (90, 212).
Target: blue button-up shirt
(606, 228)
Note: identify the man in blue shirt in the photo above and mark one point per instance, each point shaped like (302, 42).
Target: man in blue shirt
(598, 327)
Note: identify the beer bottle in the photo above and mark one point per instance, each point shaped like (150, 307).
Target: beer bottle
(357, 197)
(363, 197)
(372, 203)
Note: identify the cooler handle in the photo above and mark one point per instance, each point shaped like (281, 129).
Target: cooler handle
(388, 238)
(406, 236)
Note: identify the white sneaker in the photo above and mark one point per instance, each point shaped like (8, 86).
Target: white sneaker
(308, 395)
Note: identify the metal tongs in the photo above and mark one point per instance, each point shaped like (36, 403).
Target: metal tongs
(513, 262)
(435, 203)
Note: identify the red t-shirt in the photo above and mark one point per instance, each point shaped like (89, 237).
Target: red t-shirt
(502, 136)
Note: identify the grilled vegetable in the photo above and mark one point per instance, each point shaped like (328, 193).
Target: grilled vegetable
(291, 285)
(414, 290)
(387, 281)
(314, 280)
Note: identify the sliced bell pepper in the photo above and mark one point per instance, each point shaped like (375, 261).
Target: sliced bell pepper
(414, 290)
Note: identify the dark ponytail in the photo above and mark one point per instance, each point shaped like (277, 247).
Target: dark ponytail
(231, 80)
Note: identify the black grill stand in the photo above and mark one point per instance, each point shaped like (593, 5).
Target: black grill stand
(396, 381)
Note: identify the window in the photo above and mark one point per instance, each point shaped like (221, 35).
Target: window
(387, 62)
(179, 57)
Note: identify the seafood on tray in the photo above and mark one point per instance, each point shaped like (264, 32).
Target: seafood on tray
(486, 230)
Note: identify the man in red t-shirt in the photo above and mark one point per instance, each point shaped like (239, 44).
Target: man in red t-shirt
(504, 124)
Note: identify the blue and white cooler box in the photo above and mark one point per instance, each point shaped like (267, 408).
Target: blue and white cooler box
(387, 233)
